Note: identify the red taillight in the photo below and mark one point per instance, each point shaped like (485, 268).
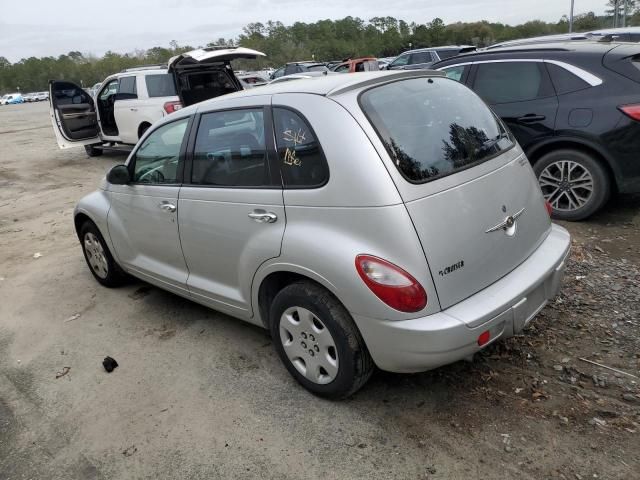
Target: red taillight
(171, 107)
(391, 284)
(484, 338)
(632, 111)
(549, 208)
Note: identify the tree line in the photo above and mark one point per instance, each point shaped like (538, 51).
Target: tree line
(323, 40)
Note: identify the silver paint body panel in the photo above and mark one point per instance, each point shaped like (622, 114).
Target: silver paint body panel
(209, 250)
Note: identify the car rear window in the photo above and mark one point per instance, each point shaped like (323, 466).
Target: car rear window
(433, 127)
(160, 85)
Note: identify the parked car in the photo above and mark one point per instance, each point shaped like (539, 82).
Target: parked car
(574, 107)
(41, 96)
(415, 232)
(298, 67)
(299, 76)
(29, 97)
(424, 57)
(364, 64)
(251, 80)
(11, 98)
(129, 102)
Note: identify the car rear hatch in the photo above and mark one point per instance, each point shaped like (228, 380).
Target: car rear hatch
(624, 60)
(470, 191)
(206, 72)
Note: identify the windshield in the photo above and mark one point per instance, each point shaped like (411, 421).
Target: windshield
(433, 127)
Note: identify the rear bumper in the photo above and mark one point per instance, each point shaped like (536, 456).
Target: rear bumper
(504, 309)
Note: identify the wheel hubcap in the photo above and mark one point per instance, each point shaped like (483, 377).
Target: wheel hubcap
(566, 185)
(309, 345)
(95, 255)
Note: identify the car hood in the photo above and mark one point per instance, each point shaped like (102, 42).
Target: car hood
(212, 55)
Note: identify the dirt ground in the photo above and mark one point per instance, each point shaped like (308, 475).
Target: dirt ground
(201, 395)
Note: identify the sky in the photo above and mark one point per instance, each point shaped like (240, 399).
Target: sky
(49, 27)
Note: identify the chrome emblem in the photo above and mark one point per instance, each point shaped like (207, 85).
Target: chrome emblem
(509, 224)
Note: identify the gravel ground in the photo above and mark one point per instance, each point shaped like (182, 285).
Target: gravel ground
(201, 395)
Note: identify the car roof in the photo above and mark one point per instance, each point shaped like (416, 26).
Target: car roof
(586, 46)
(324, 85)
(431, 49)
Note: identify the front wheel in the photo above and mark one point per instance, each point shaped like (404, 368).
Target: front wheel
(318, 341)
(573, 182)
(99, 259)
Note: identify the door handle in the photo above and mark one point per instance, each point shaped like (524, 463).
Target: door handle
(262, 216)
(531, 118)
(133, 109)
(167, 207)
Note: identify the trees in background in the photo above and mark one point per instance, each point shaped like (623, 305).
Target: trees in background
(321, 40)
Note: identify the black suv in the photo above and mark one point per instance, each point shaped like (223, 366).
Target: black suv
(575, 110)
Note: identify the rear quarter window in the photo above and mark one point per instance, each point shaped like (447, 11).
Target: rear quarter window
(433, 127)
(565, 81)
(300, 156)
(161, 85)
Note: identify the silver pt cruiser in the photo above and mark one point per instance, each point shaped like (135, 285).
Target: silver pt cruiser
(381, 219)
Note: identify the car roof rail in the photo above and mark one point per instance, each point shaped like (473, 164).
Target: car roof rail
(145, 67)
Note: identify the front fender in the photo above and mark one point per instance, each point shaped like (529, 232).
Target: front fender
(96, 207)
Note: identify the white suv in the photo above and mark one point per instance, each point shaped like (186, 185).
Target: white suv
(126, 104)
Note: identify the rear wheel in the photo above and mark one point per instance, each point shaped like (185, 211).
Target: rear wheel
(93, 150)
(99, 259)
(573, 182)
(318, 341)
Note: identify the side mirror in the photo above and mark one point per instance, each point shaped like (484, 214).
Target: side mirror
(119, 175)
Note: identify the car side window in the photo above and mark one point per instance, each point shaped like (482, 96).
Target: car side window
(302, 162)
(157, 159)
(127, 88)
(160, 85)
(444, 54)
(565, 81)
(342, 68)
(454, 73)
(420, 57)
(230, 150)
(509, 82)
(110, 88)
(401, 61)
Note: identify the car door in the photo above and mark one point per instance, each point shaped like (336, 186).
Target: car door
(232, 216)
(143, 218)
(73, 115)
(125, 109)
(520, 92)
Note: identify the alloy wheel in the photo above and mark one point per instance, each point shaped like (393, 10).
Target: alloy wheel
(566, 185)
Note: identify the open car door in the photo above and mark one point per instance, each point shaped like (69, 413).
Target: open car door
(73, 115)
(206, 72)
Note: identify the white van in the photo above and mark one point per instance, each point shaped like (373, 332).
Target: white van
(126, 104)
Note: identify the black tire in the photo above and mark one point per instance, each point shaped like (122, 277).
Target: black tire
(600, 180)
(115, 276)
(142, 130)
(355, 365)
(93, 151)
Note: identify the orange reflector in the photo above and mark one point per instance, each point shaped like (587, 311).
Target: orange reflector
(484, 338)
